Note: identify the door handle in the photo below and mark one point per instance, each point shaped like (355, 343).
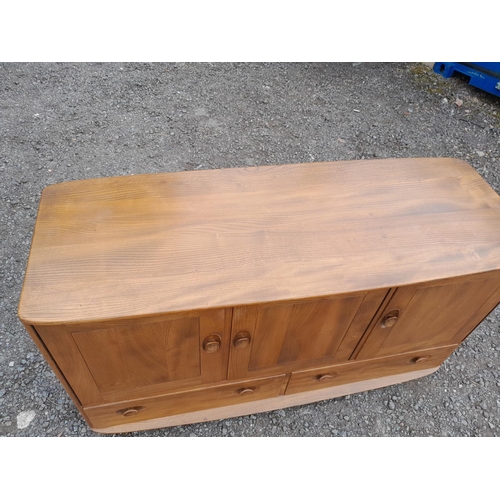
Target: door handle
(390, 319)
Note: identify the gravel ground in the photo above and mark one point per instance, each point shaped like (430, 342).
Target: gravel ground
(61, 122)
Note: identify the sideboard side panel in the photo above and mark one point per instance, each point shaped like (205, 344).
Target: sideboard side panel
(66, 354)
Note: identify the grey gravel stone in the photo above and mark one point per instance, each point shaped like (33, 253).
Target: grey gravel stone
(61, 122)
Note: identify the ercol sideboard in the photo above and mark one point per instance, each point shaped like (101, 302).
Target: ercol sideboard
(166, 299)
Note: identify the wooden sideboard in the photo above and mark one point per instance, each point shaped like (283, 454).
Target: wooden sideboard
(174, 298)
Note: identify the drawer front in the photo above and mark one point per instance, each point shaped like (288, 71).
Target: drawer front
(357, 371)
(183, 402)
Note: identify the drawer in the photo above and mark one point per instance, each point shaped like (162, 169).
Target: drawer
(137, 410)
(356, 371)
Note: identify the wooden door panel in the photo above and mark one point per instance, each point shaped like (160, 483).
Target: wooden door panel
(429, 316)
(104, 365)
(290, 335)
(316, 329)
(269, 335)
(125, 358)
(214, 363)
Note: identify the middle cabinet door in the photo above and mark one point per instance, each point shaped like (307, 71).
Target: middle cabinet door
(282, 337)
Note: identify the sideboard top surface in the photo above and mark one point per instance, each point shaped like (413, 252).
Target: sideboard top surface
(142, 245)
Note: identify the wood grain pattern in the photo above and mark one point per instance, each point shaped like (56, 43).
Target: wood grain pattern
(316, 329)
(269, 404)
(194, 400)
(65, 352)
(144, 245)
(269, 334)
(356, 371)
(478, 317)
(121, 362)
(291, 335)
(56, 369)
(124, 358)
(367, 313)
(148, 293)
(214, 364)
(430, 315)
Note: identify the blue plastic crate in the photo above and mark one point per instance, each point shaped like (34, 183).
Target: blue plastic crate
(483, 75)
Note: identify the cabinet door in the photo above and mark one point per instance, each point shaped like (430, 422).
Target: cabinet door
(278, 338)
(127, 361)
(431, 315)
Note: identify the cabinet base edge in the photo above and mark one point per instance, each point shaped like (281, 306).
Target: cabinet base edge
(284, 401)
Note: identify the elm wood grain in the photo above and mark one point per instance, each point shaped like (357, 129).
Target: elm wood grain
(63, 349)
(185, 402)
(287, 336)
(214, 364)
(180, 281)
(244, 319)
(119, 363)
(55, 368)
(315, 330)
(477, 318)
(138, 246)
(372, 301)
(127, 322)
(429, 315)
(264, 405)
(356, 371)
(125, 358)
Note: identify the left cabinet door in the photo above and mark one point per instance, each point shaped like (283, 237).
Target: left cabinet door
(126, 360)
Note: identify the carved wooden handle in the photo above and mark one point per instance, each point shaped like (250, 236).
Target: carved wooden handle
(325, 376)
(390, 319)
(246, 390)
(212, 343)
(420, 359)
(130, 412)
(242, 340)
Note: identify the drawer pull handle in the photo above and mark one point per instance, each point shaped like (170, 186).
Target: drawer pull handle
(242, 340)
(212, 343)
(246, 390)
(420, 359)
(130, 412)
(325, 376)
(390, 319)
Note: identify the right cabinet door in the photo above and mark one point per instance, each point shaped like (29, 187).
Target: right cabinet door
(430, 315)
